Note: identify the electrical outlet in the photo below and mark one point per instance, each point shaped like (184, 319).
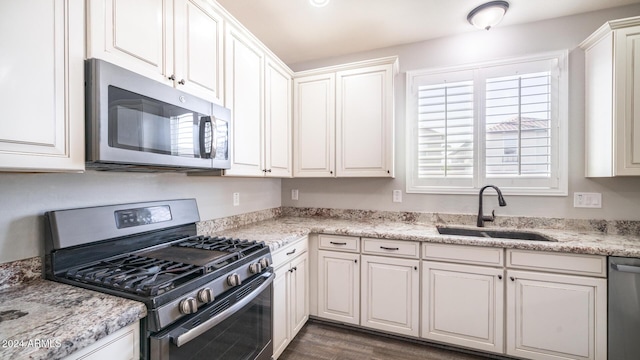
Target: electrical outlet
(587, 200)
(294, 194)
(236, 199)
(397, 196)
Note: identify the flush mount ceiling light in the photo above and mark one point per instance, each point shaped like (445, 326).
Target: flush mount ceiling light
(487, 15)
(319, 3)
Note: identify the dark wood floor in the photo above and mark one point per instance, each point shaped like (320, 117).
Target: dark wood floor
(321, 341)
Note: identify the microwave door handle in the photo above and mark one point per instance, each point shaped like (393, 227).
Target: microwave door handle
(204, 152)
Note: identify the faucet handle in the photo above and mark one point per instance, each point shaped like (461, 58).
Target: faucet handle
(490, 218)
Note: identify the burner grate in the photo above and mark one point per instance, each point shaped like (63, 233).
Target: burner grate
(136, 274)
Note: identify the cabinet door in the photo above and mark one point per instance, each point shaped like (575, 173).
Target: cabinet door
(553, 316)
(299, 284)
(280, 311)
(390, 293)
(313, 124)
(199, 32)
(339, 286)
(42, 85)
(627, 82)
(278, 132)
(136, 35)
(243, 95)
(463, 305)
(364, 122)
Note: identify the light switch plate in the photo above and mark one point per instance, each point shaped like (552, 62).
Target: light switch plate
(236, 199)
(397, 196)
(587, 200)
(294, 194)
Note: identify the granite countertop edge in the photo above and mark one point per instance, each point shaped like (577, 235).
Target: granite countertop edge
(42, 319)
(280, 232)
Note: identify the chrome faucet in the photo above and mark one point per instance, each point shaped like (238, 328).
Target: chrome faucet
(501, 202)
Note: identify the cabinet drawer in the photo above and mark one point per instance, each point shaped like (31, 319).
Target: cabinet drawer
(391, 247)
(289, 252)
(579, 264)
(336, 242)
(464, 254)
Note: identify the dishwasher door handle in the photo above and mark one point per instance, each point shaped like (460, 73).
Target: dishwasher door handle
(626, 268)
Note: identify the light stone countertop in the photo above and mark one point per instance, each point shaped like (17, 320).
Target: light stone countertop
(42, 319)
(281, 231)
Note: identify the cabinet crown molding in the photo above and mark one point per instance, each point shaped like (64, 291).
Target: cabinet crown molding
(353, 65)
(607, 28)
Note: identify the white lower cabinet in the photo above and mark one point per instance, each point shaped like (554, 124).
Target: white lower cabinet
(390, 294)
(339, 286)
(290, 294)
(123, 344)
(463, 305)
(553, 316)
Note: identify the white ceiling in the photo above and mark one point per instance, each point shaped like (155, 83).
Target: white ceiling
(296, 31)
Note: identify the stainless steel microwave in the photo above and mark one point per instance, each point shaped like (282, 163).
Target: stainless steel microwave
(134, 123)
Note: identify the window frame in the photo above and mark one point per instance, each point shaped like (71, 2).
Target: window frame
(512, 185)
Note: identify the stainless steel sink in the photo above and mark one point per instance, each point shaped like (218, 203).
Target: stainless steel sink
(501, 234)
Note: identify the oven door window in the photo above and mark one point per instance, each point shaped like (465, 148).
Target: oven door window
(245, 335)
(140, 123)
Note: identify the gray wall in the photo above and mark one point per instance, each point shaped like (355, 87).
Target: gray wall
(620, 197)
(25, 197)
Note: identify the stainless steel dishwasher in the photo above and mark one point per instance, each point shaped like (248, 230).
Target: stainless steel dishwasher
(624, 308)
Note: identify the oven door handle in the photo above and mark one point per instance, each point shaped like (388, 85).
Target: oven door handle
(207, 325)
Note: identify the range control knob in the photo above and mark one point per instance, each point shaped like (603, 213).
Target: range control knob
(234, 280)
(255, 268)
(188, 306)
(264, 262)
(205, 295)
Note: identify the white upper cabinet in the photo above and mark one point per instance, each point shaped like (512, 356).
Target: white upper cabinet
(198, 45)
(42, 85)
(314, 122)
(612, 63)
(364, 122)
(277, 120)
(244, 68)
(344, 120)
(177, 42)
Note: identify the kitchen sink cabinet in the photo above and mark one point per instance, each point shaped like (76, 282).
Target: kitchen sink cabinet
(344, 120)
(123, 344)
(290, 293)
(463, 305)
(529, 304)
(176, 42)
(42, 86)
(612, 63)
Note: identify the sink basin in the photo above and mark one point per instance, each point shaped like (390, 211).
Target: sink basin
(501, 234)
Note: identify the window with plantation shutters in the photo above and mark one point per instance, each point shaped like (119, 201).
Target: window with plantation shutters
(502, 123)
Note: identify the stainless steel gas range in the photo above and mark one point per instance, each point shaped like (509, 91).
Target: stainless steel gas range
(205, 296)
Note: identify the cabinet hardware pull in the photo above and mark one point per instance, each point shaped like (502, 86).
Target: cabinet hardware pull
(499, 277)
(291, 252)
(356, 260)
(389, 248)
(337, 243)
(172, 77)
(512, 278)
(295, 268)
(182, 82)
(290, 270)
(268, 170)
(388, 171)
(415, 268)
(331, 172)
